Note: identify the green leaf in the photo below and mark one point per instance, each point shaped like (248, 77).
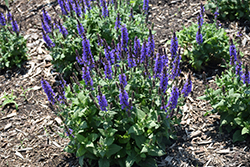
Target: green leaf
(81, 151)
(112, 149)
(103, 162)
(81, 160)
(156, 152)
(140, 114)
(244, 131)
(237, 136)
(130, 161)
(135, 129)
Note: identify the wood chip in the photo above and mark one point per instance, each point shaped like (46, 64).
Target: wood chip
(25, 149)
(57, 145)
(9, 125)
(9, 115)
(226, 151)
(194, 134)
(19, 154)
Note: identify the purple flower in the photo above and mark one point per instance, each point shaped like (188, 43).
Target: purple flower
(124, 37)
(48, 90)
(118, 21)
(176, 66)
(2, 19)
(87, 55)
(137, 48)
(131, 13)
(107, 69)
(86, 76)
(158, 65)
(174, 45)
(109, 56)
(78, 9)
(62, 30)
(199, 38)
(9, 16)
(123, 79)
(46, 26)
(246, 78)
(145, 5)
(143, 51)
(105, 11)
(187, 88)
(102, 100)
(46, 17)
(131, 60)
(61, 2)
(164, 80)
(47, 39)
(80, 28)
(216, 13)
(70, 132)
(124, 98)
(232, 52)
(150, 44)
(87, 2)
(173, 100)
(14, 26)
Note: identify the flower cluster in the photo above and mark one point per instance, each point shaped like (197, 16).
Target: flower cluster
(48, 90)
(187, 86)
(174, 45)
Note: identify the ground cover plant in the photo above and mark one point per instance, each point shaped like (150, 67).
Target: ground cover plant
(232, 99)
(13, 49)
(230, 9)
(204, 43)
(124, 108)
(93, 20)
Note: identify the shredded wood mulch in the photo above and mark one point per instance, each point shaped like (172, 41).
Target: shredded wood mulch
(29, 136)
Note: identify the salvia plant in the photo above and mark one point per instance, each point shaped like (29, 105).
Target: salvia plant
(232, 98)
(95, 20)
(204, 43)
(13, 49)
(123, 110)
(230, 9)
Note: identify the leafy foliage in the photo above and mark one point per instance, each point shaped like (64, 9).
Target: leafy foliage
(12, 48)
(232, 101)
(211, 52)
(230, 9)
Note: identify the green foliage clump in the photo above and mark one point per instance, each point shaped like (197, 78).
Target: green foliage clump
(230, 9)
(232, 102)
(64, 52)
(211, 52)
(13, 49)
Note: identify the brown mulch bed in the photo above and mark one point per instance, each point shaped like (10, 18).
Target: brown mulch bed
(29, 136)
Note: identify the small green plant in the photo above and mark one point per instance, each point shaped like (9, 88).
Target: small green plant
(230, 9)
(9, 99)
(24, 93)
(12, 44)
(232, 101)
(21, 141)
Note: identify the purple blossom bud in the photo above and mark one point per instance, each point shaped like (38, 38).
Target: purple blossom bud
(62, 30)
(131, 60)
(102, 100)
(80, 28)
(174, 46)
(118, 21)
(86, 76)
(123, 79)
(187, 86)
(232, 52)
(107, 69)
(123, 96)
(143, 51)
(176, 66)
(2, 19)
(199, 38)
(9, 16)
(48, 90)
(246, 78)
(124, 37)
(14, 26)
(47, 39)
(61, 2)
(164, 80)
(158, 65)
(145, 5)
(150, 44)
(173, 100)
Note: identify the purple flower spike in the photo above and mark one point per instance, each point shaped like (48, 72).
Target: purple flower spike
(118, 21)
(187, 86)
(107, 69)
(158, 65)
(80, 28)
(124, 37)
(86, 76)
(145, 5)
(137, 48)
(164, 80)
(176, 66)
(46, 17)
(105, 12)
(70, 132)
(14, 26)
(123, 79)
(48, 90)
(47, 39)
(62, 30)
(173, 100)
(143, 51)
(174, 46)
(9, 16)
(102, 100)
(233, 53)
(87, 55)
(124, 98)
(150, 44)
(246, 78)
(2, 19)
(61, 2)
(199, 38)
(216, 13)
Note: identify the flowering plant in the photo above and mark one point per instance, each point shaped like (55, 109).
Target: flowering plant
(12, 44)
(124, 108)
(237, 9)
(204, 43)
(232, 98)
(94, 20)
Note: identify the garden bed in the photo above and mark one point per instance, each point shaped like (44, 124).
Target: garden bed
(29, 135)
